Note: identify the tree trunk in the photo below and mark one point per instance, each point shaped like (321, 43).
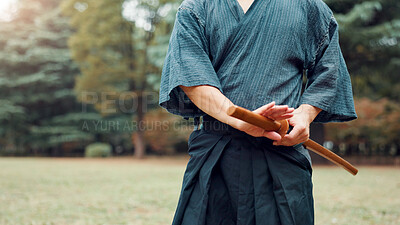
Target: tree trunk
(138, 136)
(140, 149)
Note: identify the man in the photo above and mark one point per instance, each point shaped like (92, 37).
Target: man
(250, 53)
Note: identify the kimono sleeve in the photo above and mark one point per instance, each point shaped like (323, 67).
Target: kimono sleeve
(329, 85)
(187, 63)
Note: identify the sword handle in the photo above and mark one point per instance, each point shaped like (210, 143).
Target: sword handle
(282, 127)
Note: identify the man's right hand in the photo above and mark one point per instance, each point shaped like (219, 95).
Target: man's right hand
(272, 111)
(211, 101)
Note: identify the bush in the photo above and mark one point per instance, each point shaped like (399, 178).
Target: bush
(98, 150)
(375, 132)
(164, 132)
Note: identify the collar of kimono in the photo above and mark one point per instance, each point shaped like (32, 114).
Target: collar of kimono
(282, 128)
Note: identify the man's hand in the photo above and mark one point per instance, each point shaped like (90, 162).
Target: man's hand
(272, 111)
(211, 101)
(302, 117)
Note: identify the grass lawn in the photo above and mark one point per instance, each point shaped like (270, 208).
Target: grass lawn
(127, 191)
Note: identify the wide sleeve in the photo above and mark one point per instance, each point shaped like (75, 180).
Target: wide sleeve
(329, 85)
(187, 63)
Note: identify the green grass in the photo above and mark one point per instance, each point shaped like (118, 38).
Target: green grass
(127, 191)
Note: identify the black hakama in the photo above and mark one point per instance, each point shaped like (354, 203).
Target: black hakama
(234, 178)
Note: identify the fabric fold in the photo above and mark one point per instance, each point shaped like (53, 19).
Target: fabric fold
(292, 185)
(204, 152)
(247, 180)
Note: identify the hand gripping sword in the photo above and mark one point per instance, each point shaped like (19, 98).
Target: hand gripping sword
(282, 128)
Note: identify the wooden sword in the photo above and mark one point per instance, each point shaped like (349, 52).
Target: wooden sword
(282, 128)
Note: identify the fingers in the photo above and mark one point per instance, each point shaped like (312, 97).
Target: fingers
(282, 117)
(272, 135)
(298, 135)
(264, 108)
(279, 112)
(278, 109)
(275, 112)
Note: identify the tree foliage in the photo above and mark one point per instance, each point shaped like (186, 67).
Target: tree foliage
(109, 54)
(375, 132)
(370, 40)
(38, 109)
(119, 46)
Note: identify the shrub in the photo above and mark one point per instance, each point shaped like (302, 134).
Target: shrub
(164, 132)
(98, 150)
(375, 132)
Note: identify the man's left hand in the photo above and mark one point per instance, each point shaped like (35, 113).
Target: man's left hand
(302, 117)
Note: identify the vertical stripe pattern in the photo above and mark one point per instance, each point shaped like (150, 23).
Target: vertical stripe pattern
(258, 57)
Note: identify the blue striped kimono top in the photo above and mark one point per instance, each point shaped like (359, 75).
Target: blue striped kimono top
(258, 57)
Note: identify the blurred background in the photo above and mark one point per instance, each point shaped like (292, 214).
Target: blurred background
(80, 78)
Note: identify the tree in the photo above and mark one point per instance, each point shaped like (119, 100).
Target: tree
(370, 36)
(119, 55)
(375, 132)
(38, 109)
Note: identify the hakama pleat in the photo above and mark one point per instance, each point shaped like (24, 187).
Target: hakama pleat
(235, 179)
